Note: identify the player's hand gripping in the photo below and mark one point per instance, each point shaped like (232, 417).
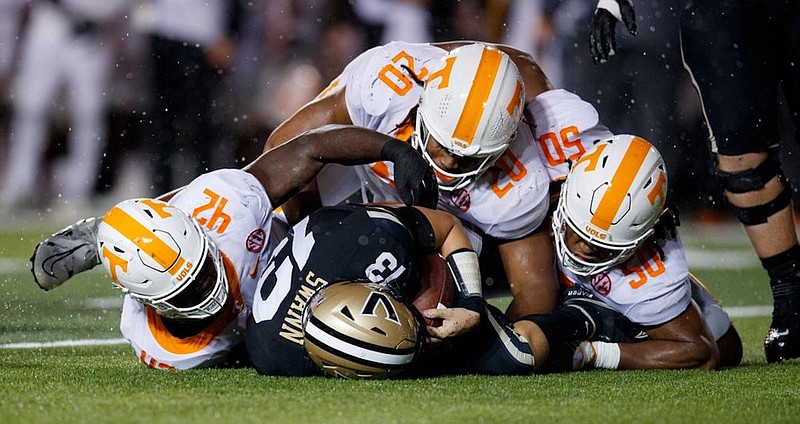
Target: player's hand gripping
(413, 176)
(602, 38)
(455, 321)
(68, 252)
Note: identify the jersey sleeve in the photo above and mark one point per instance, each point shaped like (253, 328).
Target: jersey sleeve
(566, 126)
(378, 85)
(234, 210)
(419, 226)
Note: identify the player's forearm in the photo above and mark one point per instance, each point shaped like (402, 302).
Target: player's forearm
(286, 169)
(528, 263)
(344, 144)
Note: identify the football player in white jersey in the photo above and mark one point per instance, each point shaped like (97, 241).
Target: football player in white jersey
(189, 267)
(616, 249)
(491, 125)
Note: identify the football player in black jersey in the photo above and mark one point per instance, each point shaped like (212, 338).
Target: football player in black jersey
(378, 244)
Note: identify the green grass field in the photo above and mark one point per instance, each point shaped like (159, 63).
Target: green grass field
(108, 384)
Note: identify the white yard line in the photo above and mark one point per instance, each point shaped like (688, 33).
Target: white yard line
(64, 343)
(13, 266)
(727, 259)
(697, 258)
(749, 311)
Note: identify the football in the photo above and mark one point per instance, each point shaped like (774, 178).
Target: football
(437, 287)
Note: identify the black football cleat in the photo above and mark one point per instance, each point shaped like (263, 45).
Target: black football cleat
(783, 341)
(783, 338)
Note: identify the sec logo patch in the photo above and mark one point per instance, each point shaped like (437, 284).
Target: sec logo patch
(460, 199)
(255, 241)
(602, 284)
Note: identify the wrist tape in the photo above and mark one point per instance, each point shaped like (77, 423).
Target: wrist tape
(463, 265)
(606, 355)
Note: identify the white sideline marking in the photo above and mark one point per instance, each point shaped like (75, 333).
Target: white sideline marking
(64, 343)
(727, 259)
(749, 311)
(13, 266)
(102, 303)
(734, 312)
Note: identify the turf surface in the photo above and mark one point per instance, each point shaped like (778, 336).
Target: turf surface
(108, 384)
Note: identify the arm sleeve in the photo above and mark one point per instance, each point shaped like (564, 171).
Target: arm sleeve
(420, 228)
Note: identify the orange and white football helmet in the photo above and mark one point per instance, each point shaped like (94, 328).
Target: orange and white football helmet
(471, 105)
(161, 257)
(612, 198)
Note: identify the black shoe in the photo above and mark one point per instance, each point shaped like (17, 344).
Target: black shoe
(783, 341)
(783, 338)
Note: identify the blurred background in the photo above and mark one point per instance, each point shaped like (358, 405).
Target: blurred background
(105, 100)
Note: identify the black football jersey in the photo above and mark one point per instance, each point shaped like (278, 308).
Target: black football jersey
(348, 242)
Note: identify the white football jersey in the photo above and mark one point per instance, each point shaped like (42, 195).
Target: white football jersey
(235, 212)
(566, 127)
(511, 199)
(645, 288)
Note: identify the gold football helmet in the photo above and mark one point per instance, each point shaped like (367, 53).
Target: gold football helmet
(360, 331)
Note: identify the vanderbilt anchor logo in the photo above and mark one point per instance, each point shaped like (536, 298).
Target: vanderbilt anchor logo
(377, 298)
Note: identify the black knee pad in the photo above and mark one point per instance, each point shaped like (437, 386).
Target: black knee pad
(755, 179)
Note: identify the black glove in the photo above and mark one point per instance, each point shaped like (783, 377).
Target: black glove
(413, 177)
(602, 39)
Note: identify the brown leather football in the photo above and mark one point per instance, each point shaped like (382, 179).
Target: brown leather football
(437, 287)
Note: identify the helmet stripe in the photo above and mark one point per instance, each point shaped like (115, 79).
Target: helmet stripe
(144, 239)
(375, 354)
(620, 184)
(479, 93)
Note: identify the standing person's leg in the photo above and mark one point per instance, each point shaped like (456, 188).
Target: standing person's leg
(211, 112)
(734, 65)
(165, 74)
(89, 67)
(35, 88)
